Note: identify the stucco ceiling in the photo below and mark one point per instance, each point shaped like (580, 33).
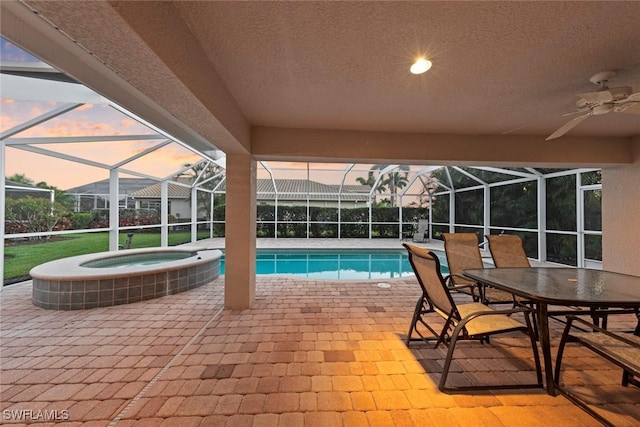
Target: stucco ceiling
(499, 68)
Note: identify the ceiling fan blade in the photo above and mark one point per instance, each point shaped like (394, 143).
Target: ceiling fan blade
(578, 111)
(634, 97)
(568, 126)
(598, 97)
(620, 93)
(628, 107)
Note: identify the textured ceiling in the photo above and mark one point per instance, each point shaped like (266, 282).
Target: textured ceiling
(499, 67)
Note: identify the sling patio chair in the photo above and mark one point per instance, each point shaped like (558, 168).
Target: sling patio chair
(463, 252)
(472, 320)
(621, 349)
(422, 235)
(507, 251)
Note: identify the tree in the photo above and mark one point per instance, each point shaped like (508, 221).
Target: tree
(20, 179)
(429, 186)
(66, 200)
(32, 215)
(395, 181)
(370, 180)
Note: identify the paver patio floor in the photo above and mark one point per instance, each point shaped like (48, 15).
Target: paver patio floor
(308, 353)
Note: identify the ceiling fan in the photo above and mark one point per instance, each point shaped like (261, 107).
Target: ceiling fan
(617, 99)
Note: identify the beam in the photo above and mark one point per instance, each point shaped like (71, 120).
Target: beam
(443, 149)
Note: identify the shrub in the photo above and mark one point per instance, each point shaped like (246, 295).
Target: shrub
(81, 220)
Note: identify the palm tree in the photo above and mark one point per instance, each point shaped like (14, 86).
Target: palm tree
(395, 181)
(370, 180)
(392, 180)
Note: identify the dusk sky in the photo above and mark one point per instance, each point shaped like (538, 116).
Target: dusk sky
(103, 120)
(87, 120)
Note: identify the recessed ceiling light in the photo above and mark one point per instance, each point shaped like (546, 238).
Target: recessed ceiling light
(420, 66)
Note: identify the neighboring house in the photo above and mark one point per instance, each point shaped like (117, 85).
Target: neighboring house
(95, 195)
(179, 198)
(291, 192)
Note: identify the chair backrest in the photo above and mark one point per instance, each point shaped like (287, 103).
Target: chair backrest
(426, 266)
(423, 225)
(507, 251)
(462, 252)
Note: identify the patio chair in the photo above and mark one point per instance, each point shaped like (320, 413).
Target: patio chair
(620, 348)
(463, 253)
(422, 235)
(461, 321)
(507, 251)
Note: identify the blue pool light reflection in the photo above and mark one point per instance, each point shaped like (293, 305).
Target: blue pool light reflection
(336, 264)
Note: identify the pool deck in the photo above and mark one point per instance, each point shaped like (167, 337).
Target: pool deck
(308, 353)
(282, 243)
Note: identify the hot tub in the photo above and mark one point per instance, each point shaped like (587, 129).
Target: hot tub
(112, 278)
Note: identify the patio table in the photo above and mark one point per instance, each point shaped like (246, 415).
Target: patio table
(578, 287)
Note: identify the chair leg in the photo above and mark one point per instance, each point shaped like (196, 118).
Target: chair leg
(447, 363)
(416, 315)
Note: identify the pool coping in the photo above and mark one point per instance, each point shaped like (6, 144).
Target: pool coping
(70, 268)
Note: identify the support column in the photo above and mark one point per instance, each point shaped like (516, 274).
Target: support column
(621, 216)
(240, 232)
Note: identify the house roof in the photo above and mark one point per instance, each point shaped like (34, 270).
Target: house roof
(287, 189)
(18, 189)
(174, 191)
(126, 186)
(301, 189)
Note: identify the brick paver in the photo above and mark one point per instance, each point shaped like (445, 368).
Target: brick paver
(309, 352)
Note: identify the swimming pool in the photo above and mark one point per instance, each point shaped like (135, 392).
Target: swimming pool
(340, 264)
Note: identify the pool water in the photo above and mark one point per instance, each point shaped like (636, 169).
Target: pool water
(137, 259)
(337, 264)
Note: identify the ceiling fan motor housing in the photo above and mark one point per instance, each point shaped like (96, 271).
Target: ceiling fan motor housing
(601, 78)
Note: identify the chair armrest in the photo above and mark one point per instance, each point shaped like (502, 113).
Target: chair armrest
(490, 311)
(573, 318)
(450, 279)
(473, 288)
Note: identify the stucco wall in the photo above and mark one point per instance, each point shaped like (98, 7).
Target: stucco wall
(621, 216)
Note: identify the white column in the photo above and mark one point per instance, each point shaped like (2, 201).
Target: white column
(452, 210)
(194, 214)
(240, 232)
(579, 221)
(114, 211)
(164, 217)
(542, 219)
(486, 212)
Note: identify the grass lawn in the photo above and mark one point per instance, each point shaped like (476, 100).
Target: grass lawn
(21, 258)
